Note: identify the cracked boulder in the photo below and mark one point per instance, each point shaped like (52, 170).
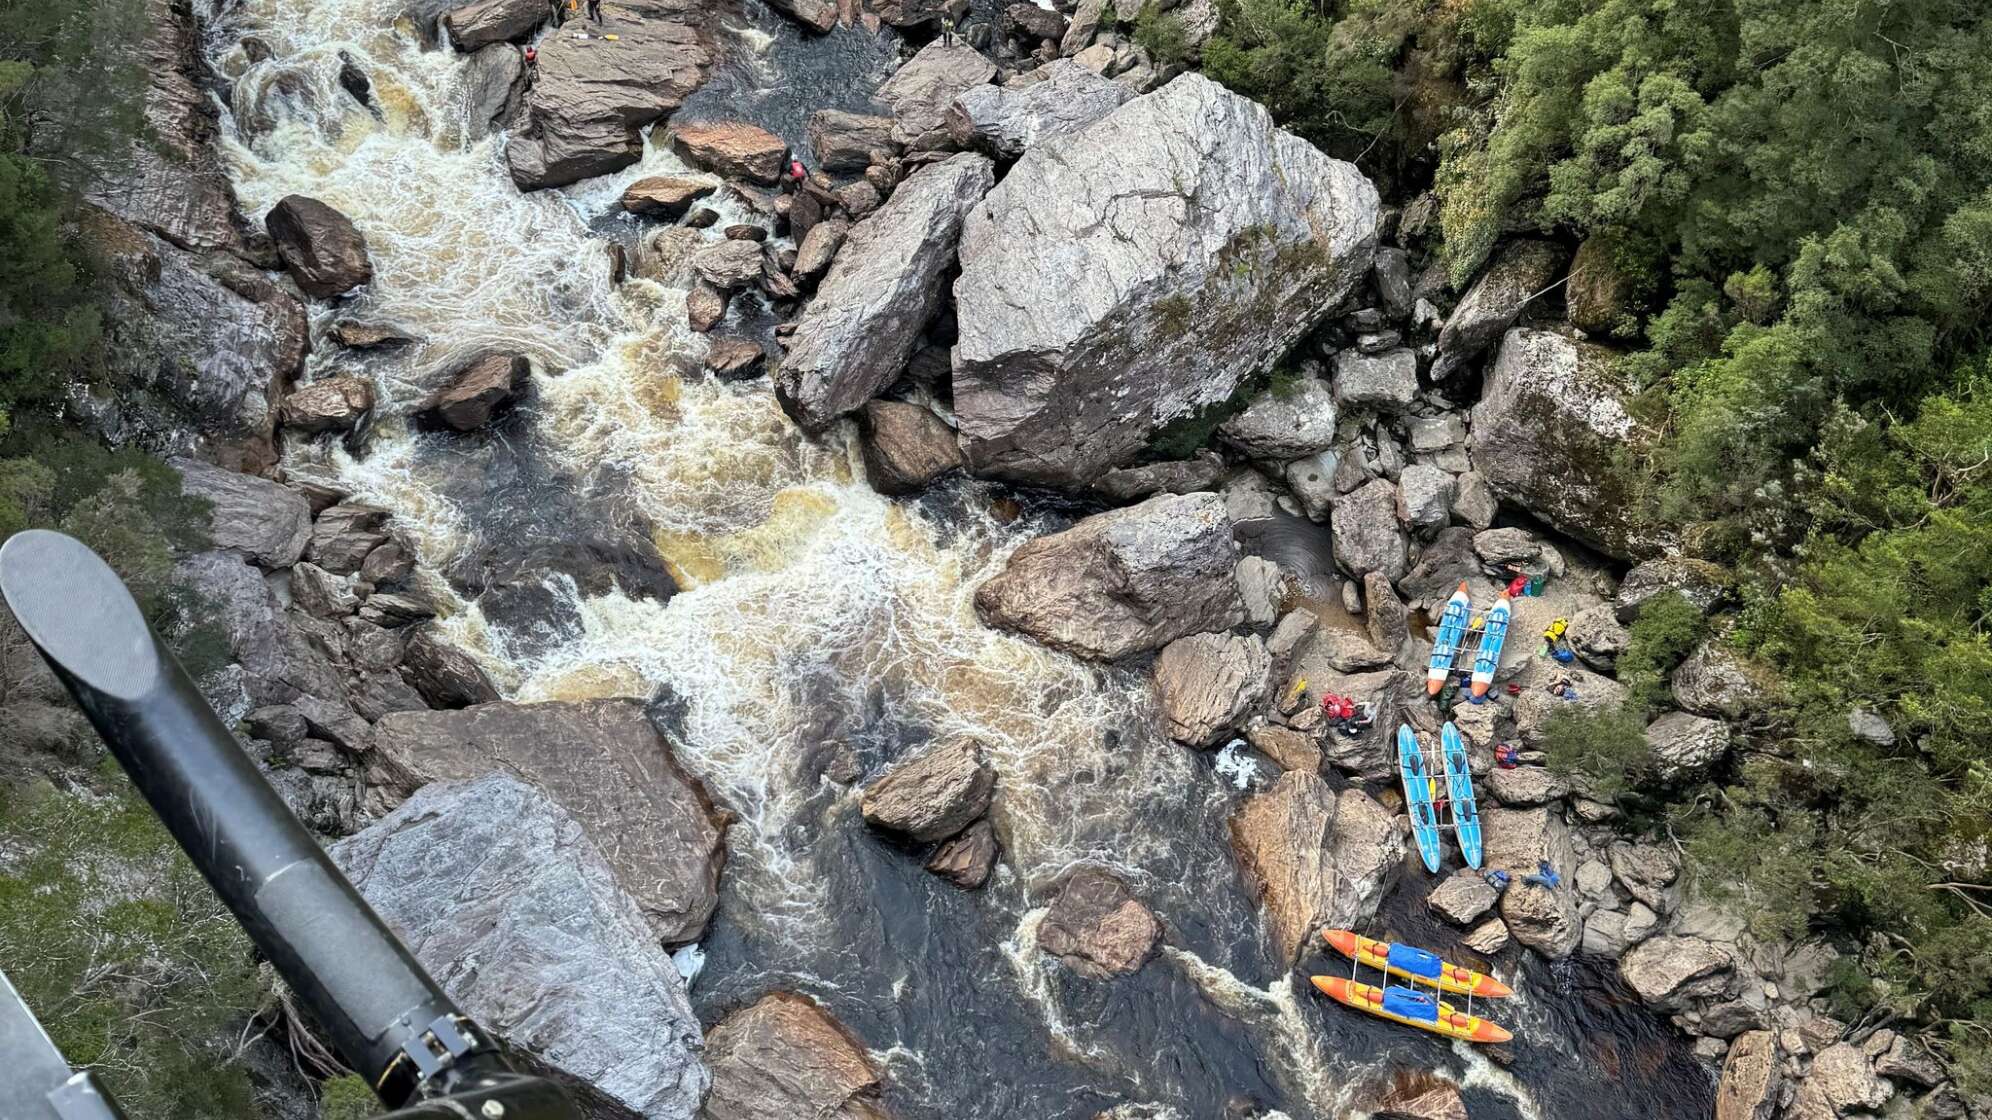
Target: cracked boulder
(1133, 272)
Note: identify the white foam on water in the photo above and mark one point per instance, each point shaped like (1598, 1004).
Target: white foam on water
(1233, 765)
(690, 961)
(1306, 1069)
(1480, 1073)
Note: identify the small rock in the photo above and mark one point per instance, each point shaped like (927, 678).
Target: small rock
(705, 306)
(1288, 748)
(734, 359)
(1487, 938)
(1646, 871)
(967, 859)
(1097, 928)
(1293, 425)
(335, 404)
(356, 335)
(343, 536)
(1518, 273)
(1474, 502)
(1597, 637)
(478, 392)
(1842, 1072)
(320, 247)
(280, 725)
(843, 141)
(1393, 281)
(248, 515)
(444, 675)
(728, 264)
(1424, 498)
(1463, 898)
(906, 447)
(1367, 535)
(858, 198)
(1685, 746)
(1382, 381)
(1542, 919)
(1527, 785)
(320, 593)
(1749, 1086)
(1870, 728)
(1699, 582)
(1715, 680)
(1386, 619)
(933, 795)
(1263, 587)
(664, 196)
(819, 247)
(1669, 972)
(784, 1057)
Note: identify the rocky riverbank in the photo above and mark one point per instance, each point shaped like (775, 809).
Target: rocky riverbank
(1042, 259)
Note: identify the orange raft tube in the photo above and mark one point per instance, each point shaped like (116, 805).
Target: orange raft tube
(1415, 965)
(1442, 1019)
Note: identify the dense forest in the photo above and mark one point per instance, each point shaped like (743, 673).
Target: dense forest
(1788, 209)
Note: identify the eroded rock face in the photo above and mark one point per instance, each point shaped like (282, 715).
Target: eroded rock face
(584, 110)
(604, 763)
(1007, 122)
(784, 1057)
(1179, 301)
(253, 516)
(1316, 858)
(492, 82)
(1549, 434)
(325, 254)
(854, 338)
(469, 874)
(1097, 928)
(1123, 581)
(1209, 683)
(934, 794)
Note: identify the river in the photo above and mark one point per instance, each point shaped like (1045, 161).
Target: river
(810, 613)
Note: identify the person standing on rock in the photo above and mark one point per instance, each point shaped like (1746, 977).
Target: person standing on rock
(796, 174)
(595, 10)
(532, 67)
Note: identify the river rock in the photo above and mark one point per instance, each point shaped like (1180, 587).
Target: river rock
(906, 447)
(1263, 586)
(1424, 498)
(1550, 433)
(1908, 1061)
(591, 97)
(1182, 476)
(1534, 707)
(1380, 381)
(322, 250)
(1686, 746)
(784, 1057)
(1293, 425)
(1314, 857)
(280, 662)
(857, 198)
(1288, 748)
(1408, 1096)
(1669, 972)
(966, 860)
(470, 874)
(854, 338)
(484, 22)
(920, 92)
(732, 149)
(1462, 898)
(1700, 582)
(1474, 503)
(1749, 1086)
(932, 795)
(1527, 785)
(844, 141)
(1646, 871)
(705, 306)
(446, 676)
(1597, 637)
(734, 359)
(344, 535)
(1487, 938)
(1717, 681)
(817, 15)
(479, 391)
(252, 516)
(335, 404)
(357, 334)
(603, 762)
(1518, 272)
(1542, 919)
(1123, 581)
(1842, 1073)
(1368, 537)
(1006, 122)
(1208, 683)
(1056, 390)
(664, 196)
(1516, 840)
(320, 593)
(1097, 928)
(728, 264)
(819, 247)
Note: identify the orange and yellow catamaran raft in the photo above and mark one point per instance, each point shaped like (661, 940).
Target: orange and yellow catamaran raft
(1415, 965)
(1413, 1009)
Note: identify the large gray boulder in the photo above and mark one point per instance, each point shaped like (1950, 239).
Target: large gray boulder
(783, 1057)
(1551, 432)
(253, 516)
(481, 23)
(325, 254)
(1670, 972)
(919, 93)
(1368, 537)
(1519, 273)
(604, 763)
(1123, 581)
(1208, 683)
(490, 83)
(906, 446)
(1686, 746)
(885, 284)
(509, 905)
(1315, 858)
(588, 102)
(1749, 1086)
(1006, 122)
(1135, 271)
(1386, 381)
(845, 142)
(1291, 424)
